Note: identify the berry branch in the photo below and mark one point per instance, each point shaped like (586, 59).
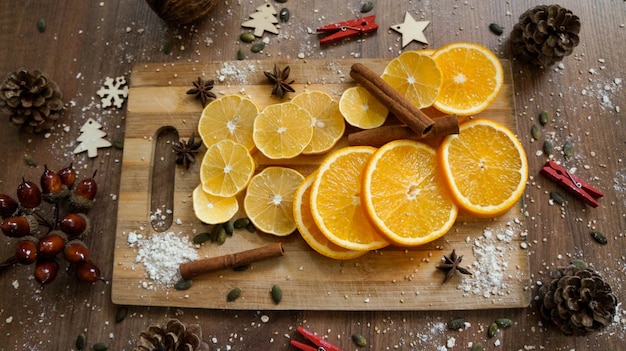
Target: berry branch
(24, 218)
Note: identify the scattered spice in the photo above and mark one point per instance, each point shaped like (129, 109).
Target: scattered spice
(284, 15)
(557, 198)
(186, 150)
(167, 47)
(504, 322)
(258, 47)
(81, 341)
(359, 340)
(100, 346)
(599, 237)
(121, 313)
(201, 238)
(277, 294)
(367, 7)
(580, 264)
(118, 144)
(544, 117)
(493, 329)
(221, 235)
(233, 294)
(451, 265)
(247, 37)
(456, 324)
(568, 149)
(183, 284)
(280, 80)
(41, 25)
(251, 228)
(30, 161)
(229, 228)
(241, 55)
(535, 132)
(548, 149)
(202, 90)
(496, 29)
(241, 222)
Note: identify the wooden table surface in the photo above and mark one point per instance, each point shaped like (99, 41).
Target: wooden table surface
(86, 41)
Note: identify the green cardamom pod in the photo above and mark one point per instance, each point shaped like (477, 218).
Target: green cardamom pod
(233, 294)
(359, 340)
(535, 132)
(493, 329)
(277, 294)
(504, 322)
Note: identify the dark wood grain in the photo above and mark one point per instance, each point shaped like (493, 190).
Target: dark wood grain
(86, 41)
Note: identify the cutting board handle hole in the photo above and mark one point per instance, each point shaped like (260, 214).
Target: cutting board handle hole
(162, 179)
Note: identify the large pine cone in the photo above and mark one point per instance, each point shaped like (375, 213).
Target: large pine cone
(545, 34)
(577, 301)
(182, 11)
(31, 100)
(173, 336)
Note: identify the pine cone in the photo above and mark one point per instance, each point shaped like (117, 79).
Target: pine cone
(173, 336)
(577, 301)
(31, 100)
(545, 34)
(182, 11)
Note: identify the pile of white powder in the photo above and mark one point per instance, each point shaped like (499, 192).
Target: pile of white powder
(161, 254)
(491, 262)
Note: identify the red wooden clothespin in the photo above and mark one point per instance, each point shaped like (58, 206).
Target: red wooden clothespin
(347, 29)
(578, 187)
(322, 345)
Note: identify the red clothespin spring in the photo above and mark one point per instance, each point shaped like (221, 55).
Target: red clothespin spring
(348, 29)
(322, 345)
(578, 187)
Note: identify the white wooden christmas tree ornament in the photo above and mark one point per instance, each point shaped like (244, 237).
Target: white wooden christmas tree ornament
(91, 138)
(263, 20)
(411, 30)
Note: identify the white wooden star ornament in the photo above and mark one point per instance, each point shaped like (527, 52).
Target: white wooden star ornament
(411, 30)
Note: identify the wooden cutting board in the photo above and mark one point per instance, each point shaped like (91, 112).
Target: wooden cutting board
(390, 279)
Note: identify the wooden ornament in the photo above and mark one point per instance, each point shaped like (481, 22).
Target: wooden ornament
(263, 20)
(411, 30)
(91, 138)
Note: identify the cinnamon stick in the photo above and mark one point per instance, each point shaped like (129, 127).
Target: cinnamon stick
(191, 269)
(380, 136)
(390, 98)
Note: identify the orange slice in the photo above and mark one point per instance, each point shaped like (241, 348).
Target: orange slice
(269, 200)
(213, 209)
(327, 121)
(416, 76)
(226, 168)
(472, 78)
(361, 109)
(336, 200)
(309, 230)
(229, 117)
(484, 166)
(282, 130)
(404, 194)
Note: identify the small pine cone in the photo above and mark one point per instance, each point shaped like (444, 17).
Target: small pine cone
(173, 336)
(577, 301)
(545, 34)
(31, 100)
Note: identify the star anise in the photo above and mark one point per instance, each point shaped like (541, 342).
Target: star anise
(279, 79)
(202, 90)
(186, 151)
(451, 265)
